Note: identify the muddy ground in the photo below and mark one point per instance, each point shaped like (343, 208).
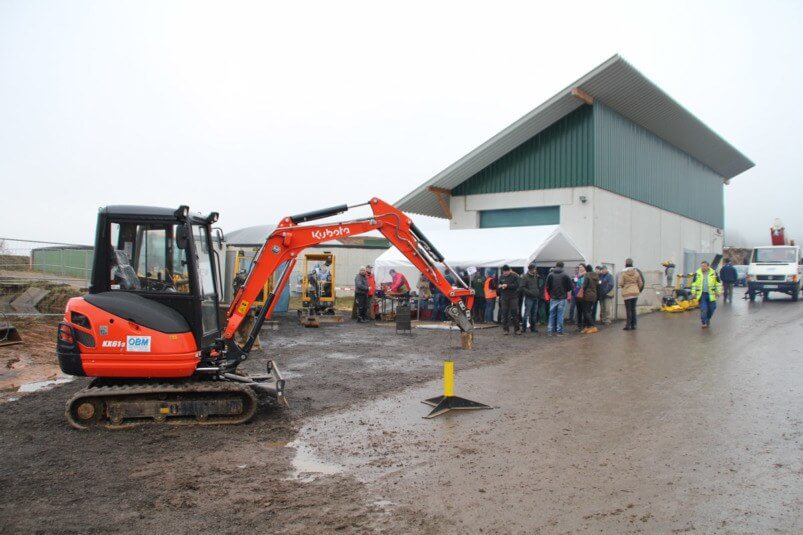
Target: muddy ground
(211, 479)
(32, 361)
(668, 428)
(53, 302)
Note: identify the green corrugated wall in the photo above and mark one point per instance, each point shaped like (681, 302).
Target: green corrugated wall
(520, 217)
(631, 161)
(561, 156)
(70, 262)
(594, 145)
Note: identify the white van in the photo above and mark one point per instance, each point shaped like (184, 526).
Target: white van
(774, 268)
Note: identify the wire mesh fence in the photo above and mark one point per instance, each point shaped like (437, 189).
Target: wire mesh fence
(22, 259)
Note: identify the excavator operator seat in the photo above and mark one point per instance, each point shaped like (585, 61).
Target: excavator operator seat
(123, 272)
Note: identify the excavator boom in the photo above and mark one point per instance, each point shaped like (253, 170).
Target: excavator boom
(284, 245)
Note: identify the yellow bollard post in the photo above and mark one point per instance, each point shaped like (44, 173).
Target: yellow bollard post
(448, 401)
(448, 378)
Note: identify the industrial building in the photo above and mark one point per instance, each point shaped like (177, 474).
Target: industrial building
(622, 168)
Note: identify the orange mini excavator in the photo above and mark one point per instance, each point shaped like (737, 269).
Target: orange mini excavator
(149, 331)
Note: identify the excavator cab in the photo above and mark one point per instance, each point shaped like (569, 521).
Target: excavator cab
(164, 255)
(149, 324)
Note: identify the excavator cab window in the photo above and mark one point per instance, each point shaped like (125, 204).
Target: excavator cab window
(146, 257)
(206, 280)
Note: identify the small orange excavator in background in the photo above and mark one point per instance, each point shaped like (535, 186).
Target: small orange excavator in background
(149, 332)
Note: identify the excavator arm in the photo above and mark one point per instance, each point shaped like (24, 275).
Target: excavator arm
(284, 245)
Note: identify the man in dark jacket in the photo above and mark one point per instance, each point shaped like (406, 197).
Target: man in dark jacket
(606, 285)
(728, 276)
(509, 299)
(590, 287)
(531, 290)
(478, 285)
(558, 285)
(361, 295)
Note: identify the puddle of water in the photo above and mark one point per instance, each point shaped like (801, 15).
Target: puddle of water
(388, 437)
(44, 385)
(291, 374)
(307, 466)
(341, 356)
(437, 326)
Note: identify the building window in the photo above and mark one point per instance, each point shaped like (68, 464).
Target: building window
(520, 217)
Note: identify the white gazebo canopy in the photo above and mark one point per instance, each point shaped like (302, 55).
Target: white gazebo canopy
(488, 248)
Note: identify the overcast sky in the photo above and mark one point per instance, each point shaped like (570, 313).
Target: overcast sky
(258, 110)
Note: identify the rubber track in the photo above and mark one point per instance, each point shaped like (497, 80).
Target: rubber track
(156, 390)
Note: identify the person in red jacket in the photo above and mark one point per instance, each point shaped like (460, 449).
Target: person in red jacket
(399, 284)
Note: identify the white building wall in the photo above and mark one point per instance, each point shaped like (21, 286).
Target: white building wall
(671, 233)
(690, 235)
(613, 224)
(463, 218)
(626, 228)
(576, 217)
(608, 228)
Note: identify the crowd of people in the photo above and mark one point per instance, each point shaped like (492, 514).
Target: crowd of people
(546, 296)
(552, 297)
(365, 291)
(539, 296)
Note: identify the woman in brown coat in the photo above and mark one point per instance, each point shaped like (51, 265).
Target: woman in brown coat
(631, 283)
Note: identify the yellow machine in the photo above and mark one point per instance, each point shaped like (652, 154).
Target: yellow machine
(242, 266)
(681, 300)
(318, 291)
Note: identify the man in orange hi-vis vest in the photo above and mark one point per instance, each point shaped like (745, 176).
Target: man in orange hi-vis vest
(490, 297)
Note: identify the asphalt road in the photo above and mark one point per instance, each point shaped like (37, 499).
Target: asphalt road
(670, 428)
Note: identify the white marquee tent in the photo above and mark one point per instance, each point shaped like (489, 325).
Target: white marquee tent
(488, 248)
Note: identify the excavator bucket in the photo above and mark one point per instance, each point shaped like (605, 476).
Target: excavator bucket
(9, 335)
